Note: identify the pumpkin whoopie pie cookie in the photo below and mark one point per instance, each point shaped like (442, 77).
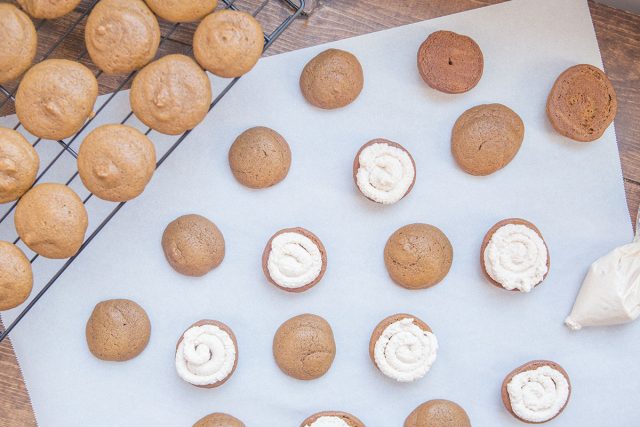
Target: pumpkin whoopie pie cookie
(219, 419)
(182, 11)
(16, 277)
(384, 171)
(403, 347)
(514, 256)
(19, 163)
(438, 413)
(304, 347)
(450, 62)
(582, 103)
(294, 259)
(48, 9)
(332, 419)
(332, 79)
(537, 391)
(19, 42)
(207, 354)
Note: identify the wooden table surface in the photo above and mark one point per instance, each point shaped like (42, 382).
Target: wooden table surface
(618, 35)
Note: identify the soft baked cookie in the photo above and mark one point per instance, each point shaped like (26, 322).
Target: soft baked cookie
(418, 256)
(171, 94)
(16, 277)
(19, 163)
(537, 391)
(55, 98)
(384, 171)
(182, 11)
(19, 42)
(51, 220)
(450, 62)
(207, 354)
(118, 330)
(304, 347)
(582, 103)
(116, 162)
(48, 9)
(294, 259)
(228, 43)
(219, 419)
(193, 245)
(438, 413)
(403, 347)
(260, 157)
(332, 419)
(514, 255)
(486, 138)
(121, 35)
(332, 79)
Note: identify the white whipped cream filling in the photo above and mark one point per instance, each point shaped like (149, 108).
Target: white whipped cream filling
(328, 421)
(404, 351)
(385, 173)
(538, 395)
(516, 257)
(294, 260)
(610, 293)
(205, 355)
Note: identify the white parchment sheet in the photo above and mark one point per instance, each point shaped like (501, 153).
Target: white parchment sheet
(573, 192)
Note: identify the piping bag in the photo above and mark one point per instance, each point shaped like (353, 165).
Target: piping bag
(610, 292)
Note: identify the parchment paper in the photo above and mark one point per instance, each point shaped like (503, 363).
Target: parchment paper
(573, 192)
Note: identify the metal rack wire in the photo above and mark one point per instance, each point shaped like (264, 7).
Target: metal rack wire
(294, 9)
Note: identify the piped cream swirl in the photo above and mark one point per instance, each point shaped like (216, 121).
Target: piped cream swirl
(385, 173)
(294, 261)
(328, 421)
(538, 395)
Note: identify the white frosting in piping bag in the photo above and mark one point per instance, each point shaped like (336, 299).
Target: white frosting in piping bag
(404, 351)
(538, 395)
(328, 421)
(610, 293)
(294, 261)
(385, 173)
(516, 257)
(205, 355)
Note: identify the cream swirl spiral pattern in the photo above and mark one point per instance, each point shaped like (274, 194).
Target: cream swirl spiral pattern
(206, 355)
(404, 351)
(385, 172)
(516, 257)
(538, 395)
(294, 261)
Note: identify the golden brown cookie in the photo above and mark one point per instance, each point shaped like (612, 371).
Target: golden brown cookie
(55, 98)
(294, 259)
(171, 94)
(486, 138)
(438, 413)
(218, 419)
(51, 220)
(19, 42)
(260, 157)
(531, 409)
(182, 11)
(450, 62)
(207, 354)
(116, 162)
(304, 347)
(332, 79)
(193, 245)
(121, 35)
(582, 103)
(16, 277)
(117, 330)
(228, 43)
(19, 163)
(523, 263)
(327, 416)
(48, 9)
(418, 256)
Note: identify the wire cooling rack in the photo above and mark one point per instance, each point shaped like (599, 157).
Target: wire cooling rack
(71, 33)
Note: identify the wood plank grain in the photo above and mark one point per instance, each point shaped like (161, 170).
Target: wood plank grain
(618, 36)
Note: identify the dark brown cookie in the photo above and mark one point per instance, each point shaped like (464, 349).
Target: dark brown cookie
(48, 9)
(418, 256)
(350, 420)
(16, 276)
(219, 419)
(304, 347)
(582, 103)
(19, 42)
(450, 62)
(486, 138)
(332, 79)
(182, 11)
(438, 413)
